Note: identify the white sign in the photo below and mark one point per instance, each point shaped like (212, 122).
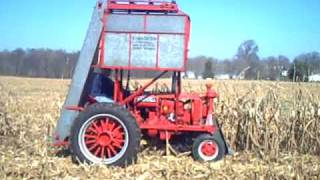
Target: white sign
(144, 50)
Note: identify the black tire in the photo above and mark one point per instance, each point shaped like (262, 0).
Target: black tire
(199, 142)
(119, 116)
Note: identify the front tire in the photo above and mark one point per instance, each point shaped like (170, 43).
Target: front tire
(208, 148)
(105, 134)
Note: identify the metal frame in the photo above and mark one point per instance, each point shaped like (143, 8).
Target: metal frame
(147, 6)
(140, 5)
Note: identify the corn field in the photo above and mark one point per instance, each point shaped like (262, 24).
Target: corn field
(272, 126)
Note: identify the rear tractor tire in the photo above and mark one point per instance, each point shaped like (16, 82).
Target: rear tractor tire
(208, 148)
(105, 134)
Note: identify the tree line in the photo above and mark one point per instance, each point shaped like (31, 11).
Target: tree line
(246, 64)
(45, 63)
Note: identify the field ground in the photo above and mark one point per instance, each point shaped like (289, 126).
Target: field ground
(274, 128)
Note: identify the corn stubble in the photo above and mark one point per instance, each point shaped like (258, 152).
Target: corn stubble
(273, 127)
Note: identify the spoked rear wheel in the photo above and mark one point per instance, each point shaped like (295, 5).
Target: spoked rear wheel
(103, 138)
(105, 134)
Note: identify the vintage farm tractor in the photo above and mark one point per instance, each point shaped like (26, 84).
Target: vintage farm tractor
(126, 36)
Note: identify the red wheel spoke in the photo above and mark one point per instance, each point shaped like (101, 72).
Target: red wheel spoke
(104, 125)
(90, 136)
(118, 135)
(114, 152)
(95, 125)
(91, 129)
(107, 124)
(90, 141)
(119, 141)
(93, 147)
(116, 144)
(117, 129)
(112, 126)
(109, 153)
(102, 152)
(98, 129)
(97, 152)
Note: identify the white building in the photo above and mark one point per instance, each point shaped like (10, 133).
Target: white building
(189, 75)
(314, 78)
(284, 73)
(222, 76)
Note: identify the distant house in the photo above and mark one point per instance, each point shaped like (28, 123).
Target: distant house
(284, 73)
(189, 75)
(222, 76)
(314, 78)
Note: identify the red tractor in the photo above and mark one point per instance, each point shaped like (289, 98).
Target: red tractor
(126, 36)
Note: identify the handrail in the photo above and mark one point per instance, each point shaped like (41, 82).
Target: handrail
(142, 1)
(143, 5)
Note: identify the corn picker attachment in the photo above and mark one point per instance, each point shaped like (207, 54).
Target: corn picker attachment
(143, 36)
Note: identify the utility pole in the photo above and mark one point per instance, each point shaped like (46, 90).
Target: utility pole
(294, 72)
(65, 67)
(279, 70)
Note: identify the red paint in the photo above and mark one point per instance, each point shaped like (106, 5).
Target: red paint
(138, 68)
(143, 5)
(209, 149)
(137, 32)
(117, 87)
(105, 138)
(61, 144)
(74, 108)
(167, 106)
(196, 115)
(180, 128)
(211, 94)
(141, 90)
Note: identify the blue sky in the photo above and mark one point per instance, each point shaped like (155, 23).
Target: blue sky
(286, 27)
